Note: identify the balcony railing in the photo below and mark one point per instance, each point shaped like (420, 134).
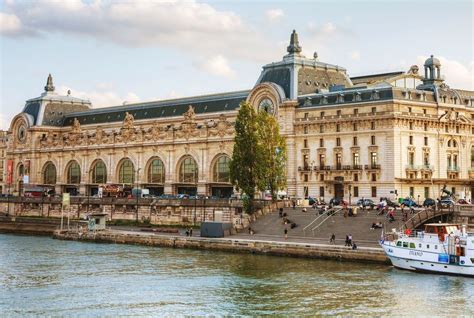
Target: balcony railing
(304, 168)
(356, 167)
(412, 167)
(427, 167)
(322, 168)
(372, 167)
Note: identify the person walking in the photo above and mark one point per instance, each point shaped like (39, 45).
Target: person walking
(349, 241)
(332, 240)
(286, 233)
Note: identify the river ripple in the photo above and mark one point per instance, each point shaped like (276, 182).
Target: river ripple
(44, 277)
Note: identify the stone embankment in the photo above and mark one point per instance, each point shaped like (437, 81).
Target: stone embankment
(32, 226)
(305, 250)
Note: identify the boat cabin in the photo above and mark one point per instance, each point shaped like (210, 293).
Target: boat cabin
(441, 229)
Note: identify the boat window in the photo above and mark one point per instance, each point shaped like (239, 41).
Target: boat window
(436, 247)
(412, 245)
(399, 243)
(405, 244)
(419, 245)
(428, 246)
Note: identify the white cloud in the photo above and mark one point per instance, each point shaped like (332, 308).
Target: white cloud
(274, 15)
(185, 25)
(216, 65)
(456, 74)
(355, 55)
(9, 24)
(101, 98)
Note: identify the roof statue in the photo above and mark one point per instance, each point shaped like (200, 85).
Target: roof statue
(49, 84)
(190, 114)
(413, 70)
(76, 126)
(128, 121)
(294, 46)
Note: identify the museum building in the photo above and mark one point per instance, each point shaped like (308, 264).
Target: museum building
(395, 134)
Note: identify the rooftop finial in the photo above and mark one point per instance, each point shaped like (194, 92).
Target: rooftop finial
(49, 84)
(294, 46)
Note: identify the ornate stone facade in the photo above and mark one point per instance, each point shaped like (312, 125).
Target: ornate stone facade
(383, 135)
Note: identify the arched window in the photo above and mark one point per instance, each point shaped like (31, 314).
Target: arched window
(126, 172)
(49, 174)
(188, 171)
(99, 172)
(73, 173)
(221, 170)
(156, 171)
(21, 169)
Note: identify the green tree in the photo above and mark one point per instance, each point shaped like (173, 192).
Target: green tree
(244, 167)
(273, 148)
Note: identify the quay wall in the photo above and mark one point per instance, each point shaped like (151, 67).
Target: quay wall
(304, 250)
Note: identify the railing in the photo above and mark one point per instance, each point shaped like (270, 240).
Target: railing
(423, 216)
(322, 168)
(372, 167)
(317, 218)
(330, 213)
(453, 169)
(305, 168)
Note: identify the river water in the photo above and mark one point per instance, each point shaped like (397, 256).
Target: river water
(46, 277)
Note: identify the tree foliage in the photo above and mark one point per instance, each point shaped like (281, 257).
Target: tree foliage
(259, 156)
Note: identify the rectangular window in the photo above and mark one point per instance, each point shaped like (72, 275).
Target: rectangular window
(409, 109)
(321, 177)
(354, 127)
(356, 191)
(355, 159)
(374, 110)
(426, 141)
(322, 161)
(374, 177)
(426, 159)
(411, 125)
(305, 115)
(427, 192)
(457, 129)
(321, 128)
(372, 125)
(373, 159)
(356, 111)
(305, 142)
(321, 142)
(374, 192)
(338, 113)
(425, 127)
(424, 111)
(321, 192)
(338, 161)
(412, 192)
(306, 178)
(372, 140)
(411, 158)
(410, 140)
(322, 114)
(305, 129)
(338, 127)
(356, 177)
(354, 141)
(338, 142)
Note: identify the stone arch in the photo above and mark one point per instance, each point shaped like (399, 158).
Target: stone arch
(125, 171)
(187, 169)
(73, 172)
(98, 172)
(217, 172)
(49, 173)
(155, 170)
(271, 91)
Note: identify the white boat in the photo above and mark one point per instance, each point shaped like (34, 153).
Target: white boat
(441, 248)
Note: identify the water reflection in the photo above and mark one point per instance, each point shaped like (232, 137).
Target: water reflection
(41, 276)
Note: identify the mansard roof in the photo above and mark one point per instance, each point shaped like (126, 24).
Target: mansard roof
(160, 109)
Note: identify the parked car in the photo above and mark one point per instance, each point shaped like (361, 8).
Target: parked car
(366, 203)
(390, 203)
(446, 203)
(462, 201)
(410, 203)
(429, 203)
(337, 201)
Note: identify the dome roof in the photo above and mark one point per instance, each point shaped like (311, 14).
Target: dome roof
(432, 61)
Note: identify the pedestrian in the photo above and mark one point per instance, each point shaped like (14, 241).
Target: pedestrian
(347, 241)
(190, 231)
(281, 212)
(354, 246)
(187, 232)
(350, 239)
(332, 240)
(286, 233)
(250, 230)
(294, 204)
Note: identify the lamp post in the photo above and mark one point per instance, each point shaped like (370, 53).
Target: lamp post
(350, 194)
(137, 194)
(8, 200)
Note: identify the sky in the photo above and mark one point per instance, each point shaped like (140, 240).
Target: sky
(112, 52)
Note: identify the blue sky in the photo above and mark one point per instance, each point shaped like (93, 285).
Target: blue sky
(116, 51)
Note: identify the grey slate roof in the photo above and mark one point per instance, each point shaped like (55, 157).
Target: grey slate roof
(160, 109)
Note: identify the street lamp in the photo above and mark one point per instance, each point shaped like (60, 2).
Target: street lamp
(136, 193)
